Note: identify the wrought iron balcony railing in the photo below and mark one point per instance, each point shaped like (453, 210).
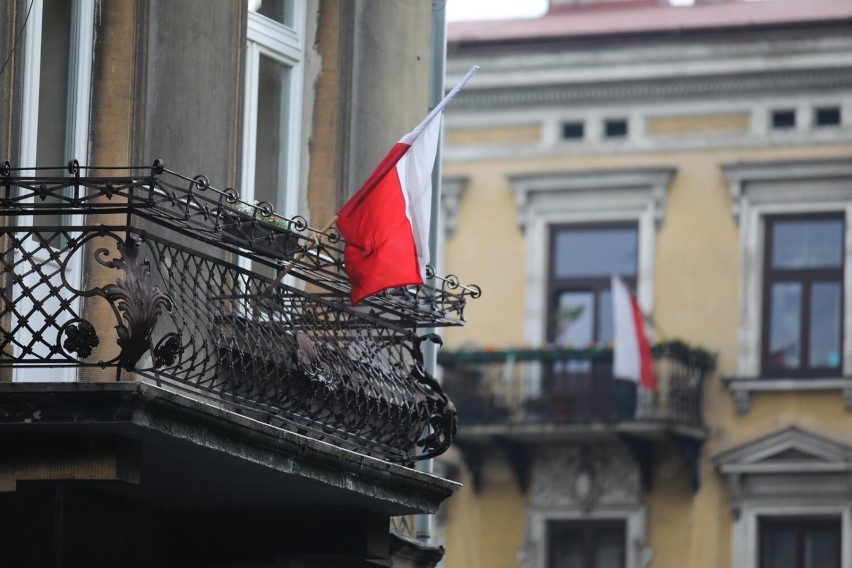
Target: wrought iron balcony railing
(572, 386)
(141, 273)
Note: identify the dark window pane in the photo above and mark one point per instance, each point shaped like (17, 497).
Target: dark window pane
(779, 548)
(784, 325)
(574, 318)
(596, 252)
(566, 548)
(615, 128)
(605, 332)
(54, 72)
(273, 87)
(572, 130)
(824, 344)
(783, 119)
(609, 549)
(807, 243)
(828, 116)
(279, 10)
(822, 548)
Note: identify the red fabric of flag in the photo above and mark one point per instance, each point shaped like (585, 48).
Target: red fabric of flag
(386, 224)
(380, 251)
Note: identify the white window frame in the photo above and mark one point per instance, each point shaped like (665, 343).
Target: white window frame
(81, 54)
(759, 189)
(637, 554)
(762, 484)
(604, 196)
(285, 45)
(745, 534)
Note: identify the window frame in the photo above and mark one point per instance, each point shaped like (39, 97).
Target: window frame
(806, 278)
(801, 524)
(589, 528)
(788, 473)
(283, 44)
(595, 285)
(78, 95)
(762, 189)
(596, 196)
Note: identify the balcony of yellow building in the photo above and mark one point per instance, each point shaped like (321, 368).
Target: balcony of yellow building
(520, 398)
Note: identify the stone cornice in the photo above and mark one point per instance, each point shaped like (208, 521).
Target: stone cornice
(703, 86)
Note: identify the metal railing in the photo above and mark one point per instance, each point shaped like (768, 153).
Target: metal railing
(572, 386)
(144, 273)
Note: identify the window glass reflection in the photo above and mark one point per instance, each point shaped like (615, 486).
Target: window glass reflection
(279, 10)
(784, 322)
(273, 86)
(807, 243)
(599, 252)
(824, 344)
(574, 317)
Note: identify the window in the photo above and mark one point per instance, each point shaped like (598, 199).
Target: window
(790, 215)
(632, 199)
(827, 116)
(586, 544)
(783, 119)
(799, 542)
(803, 298)
(573, 131)
(615, 128)
(791, 501)
(583, 260)
(57, 48)
(272, 129)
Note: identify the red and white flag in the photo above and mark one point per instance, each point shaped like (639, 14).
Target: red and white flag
(631, 357)
(385, 225)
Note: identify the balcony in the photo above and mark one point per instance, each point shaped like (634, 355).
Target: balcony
(572, 390)
(519, 399)
(144, 275)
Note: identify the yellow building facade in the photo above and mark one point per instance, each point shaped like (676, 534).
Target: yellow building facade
(718, 138)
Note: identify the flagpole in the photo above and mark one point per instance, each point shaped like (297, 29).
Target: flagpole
(410, 137)
(440, 106)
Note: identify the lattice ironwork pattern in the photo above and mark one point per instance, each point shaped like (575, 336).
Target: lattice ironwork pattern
(165, 277)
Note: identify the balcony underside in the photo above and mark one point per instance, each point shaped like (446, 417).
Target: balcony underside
(171, 452)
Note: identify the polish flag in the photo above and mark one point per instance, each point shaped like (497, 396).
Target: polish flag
(632, 354)
(385, 225)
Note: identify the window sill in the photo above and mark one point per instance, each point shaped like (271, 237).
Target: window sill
(742, 387)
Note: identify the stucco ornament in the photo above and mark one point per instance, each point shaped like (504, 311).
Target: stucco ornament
(584, 476)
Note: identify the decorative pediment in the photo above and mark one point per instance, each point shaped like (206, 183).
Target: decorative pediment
(594, 192)
(789, 451)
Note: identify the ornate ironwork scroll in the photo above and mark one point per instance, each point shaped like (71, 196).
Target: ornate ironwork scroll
(178, 284)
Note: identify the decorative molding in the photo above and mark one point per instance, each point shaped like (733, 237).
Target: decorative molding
(593, 190)
(758, 189)
(452, 190)
(585, 482)
(787, 473)
(595, 196)
(659, 88)
(743, 177)
(742, 388)
(584, 477)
